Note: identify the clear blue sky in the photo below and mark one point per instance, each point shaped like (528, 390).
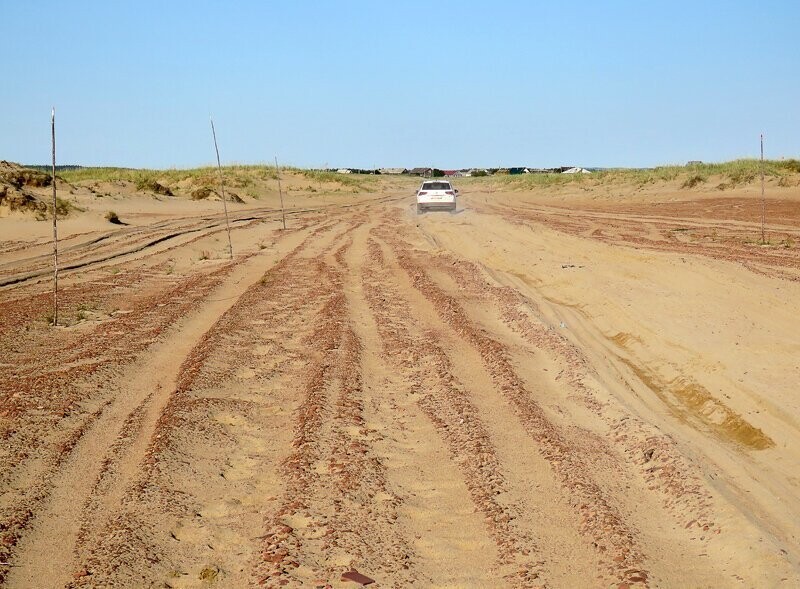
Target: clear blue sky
(449, 84)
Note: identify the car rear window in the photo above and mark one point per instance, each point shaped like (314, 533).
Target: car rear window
(436, 186)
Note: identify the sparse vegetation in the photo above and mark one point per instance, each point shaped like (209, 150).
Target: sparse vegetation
(357, 181)
(112, 217)
(743, 171)
(725, 175)
(147, 183)
(145, 179)
(17, 200)
(19, 177)
(694, 180)
(209, 574)
(731, 174)
(202, 193)
(63, 208)
(68, 318)
(536, 180)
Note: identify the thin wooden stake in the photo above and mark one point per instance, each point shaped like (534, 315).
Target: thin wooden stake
(55, 219)
(222, 190)
(763, 200)
(280, 192)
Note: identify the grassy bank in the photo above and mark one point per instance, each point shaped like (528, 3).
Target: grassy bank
(238, 176)
(234, 175)
(726, 175)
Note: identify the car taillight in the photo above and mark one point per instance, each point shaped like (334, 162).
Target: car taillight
(421, 192)
(450, 192)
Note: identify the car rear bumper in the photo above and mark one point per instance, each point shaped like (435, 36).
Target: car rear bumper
(444, 202)
(438, 205)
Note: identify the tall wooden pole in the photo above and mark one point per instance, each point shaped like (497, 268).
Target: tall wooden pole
(280, 192)
(222, 191)
(763, 200)
(55, 219)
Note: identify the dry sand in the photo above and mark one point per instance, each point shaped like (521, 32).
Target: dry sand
(589, 386)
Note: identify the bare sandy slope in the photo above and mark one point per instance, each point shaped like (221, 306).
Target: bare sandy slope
(543, 389)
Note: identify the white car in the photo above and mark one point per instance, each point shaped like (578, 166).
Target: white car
(436, 194)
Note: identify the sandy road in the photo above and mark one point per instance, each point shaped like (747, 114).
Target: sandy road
(477, 399)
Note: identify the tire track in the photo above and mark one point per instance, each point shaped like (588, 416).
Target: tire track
(62, 393)
(661, 467)
(126, 243)
(431, 510)
(347, 519)
(601, 522)
(125, 428)
(79, 472)
(444, 400)
(146, 243)
(633, 230)
(127, 532)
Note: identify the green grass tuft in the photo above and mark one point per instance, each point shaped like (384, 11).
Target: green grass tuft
(694, 180)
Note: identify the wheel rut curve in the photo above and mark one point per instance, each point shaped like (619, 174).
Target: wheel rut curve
(110, 453)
